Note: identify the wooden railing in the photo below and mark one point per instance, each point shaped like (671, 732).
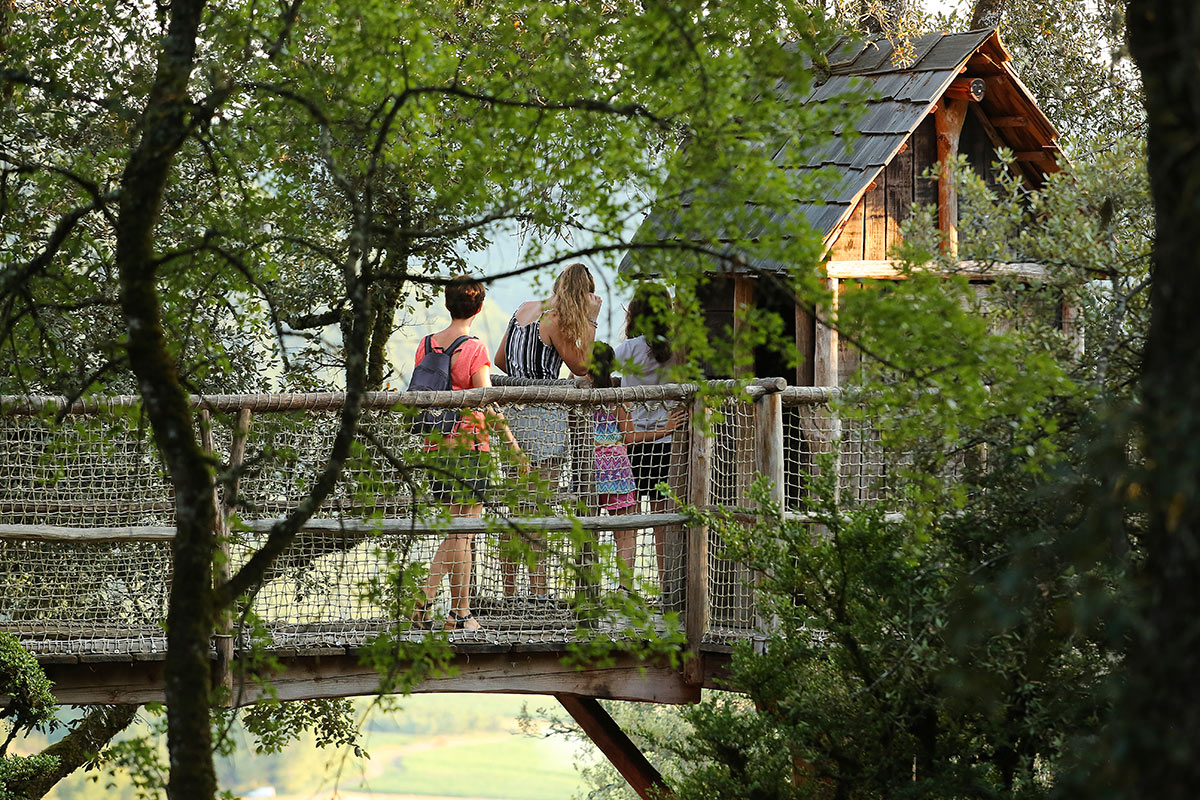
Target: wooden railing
(89, 492)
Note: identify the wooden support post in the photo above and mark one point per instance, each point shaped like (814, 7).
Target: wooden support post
(223, 635)
(607, 735)
(825, 349)
(768, 462)
(222, 674)
(696, 610)
(743, 367)
(1071, 328)
(823, 431)
(743, 300)
(948, 120)
(768, 443)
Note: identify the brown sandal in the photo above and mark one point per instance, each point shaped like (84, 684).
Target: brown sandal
(422, 616)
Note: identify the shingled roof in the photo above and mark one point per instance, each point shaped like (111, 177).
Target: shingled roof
(900, 97)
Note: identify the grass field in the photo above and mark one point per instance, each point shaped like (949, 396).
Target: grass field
(469, 747)
(490, 760)
(494, 765)
(436, 747)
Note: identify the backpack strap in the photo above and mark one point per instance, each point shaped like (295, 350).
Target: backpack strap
(449, 350)
(457, 343)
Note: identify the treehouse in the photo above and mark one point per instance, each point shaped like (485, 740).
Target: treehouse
(87, 514)
(953, 94)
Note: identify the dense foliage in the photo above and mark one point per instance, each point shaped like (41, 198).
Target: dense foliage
(232, 196)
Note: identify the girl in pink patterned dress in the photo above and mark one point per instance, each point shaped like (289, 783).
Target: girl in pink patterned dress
(615, 488)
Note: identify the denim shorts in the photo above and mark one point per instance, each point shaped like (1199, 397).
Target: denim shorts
(541, 431)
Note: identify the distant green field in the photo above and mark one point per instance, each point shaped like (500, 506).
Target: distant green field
(484, 757)
(507, 768)
(438, 745)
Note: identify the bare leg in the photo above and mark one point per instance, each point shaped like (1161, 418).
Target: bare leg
(537, 574)
(460, 565)
(660, 544)
(508, 572)
(453, 558)
(626, 542)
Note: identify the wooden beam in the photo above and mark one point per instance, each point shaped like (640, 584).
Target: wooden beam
(975, 270)
(949, 122)
(607, 735)
(1041, 156)
(337, 673)
(345, 528)
(971, 89)
(1010, 122)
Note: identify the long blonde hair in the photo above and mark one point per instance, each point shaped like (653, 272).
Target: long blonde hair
(572, 289)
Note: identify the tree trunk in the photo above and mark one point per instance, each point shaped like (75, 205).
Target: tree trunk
(190, 613)
(986, 13)
(1160, 713)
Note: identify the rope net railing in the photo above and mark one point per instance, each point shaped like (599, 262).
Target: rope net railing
(86, 513)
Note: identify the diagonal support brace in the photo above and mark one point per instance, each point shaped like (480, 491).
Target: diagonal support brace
(603, 730)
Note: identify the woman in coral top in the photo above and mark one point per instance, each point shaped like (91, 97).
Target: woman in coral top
(461, 478)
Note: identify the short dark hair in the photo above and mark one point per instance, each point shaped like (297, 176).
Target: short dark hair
(464, 297)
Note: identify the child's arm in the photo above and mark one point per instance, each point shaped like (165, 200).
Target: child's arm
(631, 436)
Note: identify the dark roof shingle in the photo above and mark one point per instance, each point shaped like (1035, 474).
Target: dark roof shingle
(899, 97)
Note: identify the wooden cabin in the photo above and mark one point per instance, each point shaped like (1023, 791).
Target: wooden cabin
(957, 94)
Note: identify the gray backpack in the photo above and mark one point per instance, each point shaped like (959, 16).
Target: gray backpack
(433, 375)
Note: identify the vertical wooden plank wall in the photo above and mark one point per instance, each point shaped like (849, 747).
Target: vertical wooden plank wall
(924, 147)
(875, 229)
(743, 298)
(849, 244)
(898, 187)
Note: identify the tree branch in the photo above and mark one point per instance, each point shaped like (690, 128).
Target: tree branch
(89, 736)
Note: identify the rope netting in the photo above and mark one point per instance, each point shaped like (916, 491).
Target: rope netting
(86, 513)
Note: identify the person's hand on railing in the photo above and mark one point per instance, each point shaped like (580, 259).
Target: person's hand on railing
(520, 460)
(677, 417)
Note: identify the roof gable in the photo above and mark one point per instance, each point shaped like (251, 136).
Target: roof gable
(901, 98)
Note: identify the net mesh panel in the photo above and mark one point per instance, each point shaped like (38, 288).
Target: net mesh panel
(94, 599)
(730, 583)
(109, 598)
(866, 472)
(91, 471)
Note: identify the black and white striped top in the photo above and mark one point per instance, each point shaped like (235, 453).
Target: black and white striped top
(526, 355)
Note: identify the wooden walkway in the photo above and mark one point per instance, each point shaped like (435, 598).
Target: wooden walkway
(86, 525)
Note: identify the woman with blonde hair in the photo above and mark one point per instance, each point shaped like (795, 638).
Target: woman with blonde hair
(545, 334)
(542, 336)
